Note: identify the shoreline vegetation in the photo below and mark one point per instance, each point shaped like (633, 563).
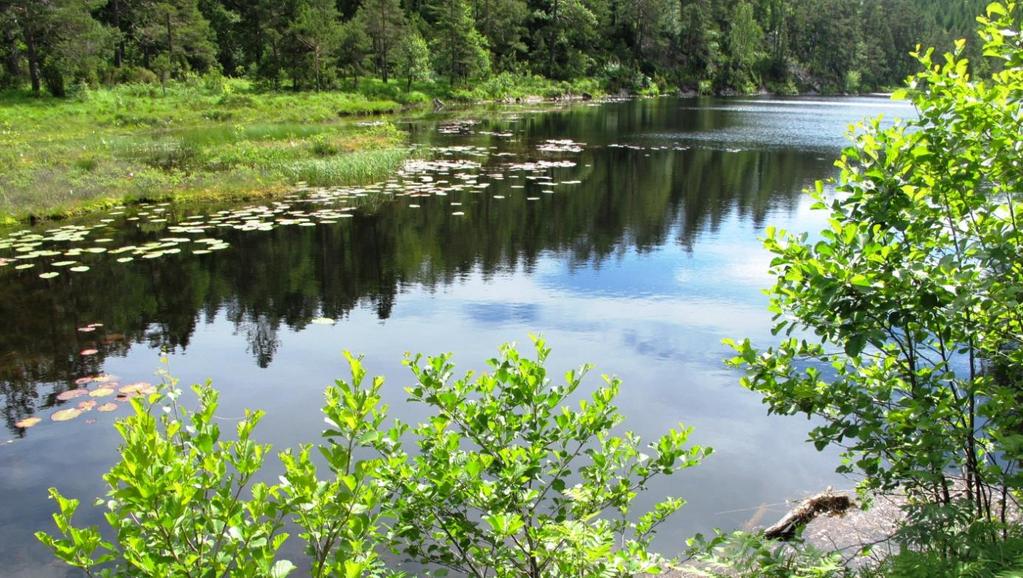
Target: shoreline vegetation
(110, 101)
(219, 140)
(211, 140)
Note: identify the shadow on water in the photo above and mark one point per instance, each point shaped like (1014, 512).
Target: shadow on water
(643, 258)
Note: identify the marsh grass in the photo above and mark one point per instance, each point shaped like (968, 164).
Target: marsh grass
(345, 169)
(60, 157)
(65, 157)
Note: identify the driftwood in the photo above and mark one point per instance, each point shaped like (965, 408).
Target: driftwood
(824, 503)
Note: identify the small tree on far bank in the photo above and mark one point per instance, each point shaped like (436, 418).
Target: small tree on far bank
(413, 59)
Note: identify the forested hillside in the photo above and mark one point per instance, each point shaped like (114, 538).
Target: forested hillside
(705, 45)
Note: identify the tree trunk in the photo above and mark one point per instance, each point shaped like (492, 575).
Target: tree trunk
(12, 63)
(823, 503)
(170, 42)
(33, 58)
(119, 49)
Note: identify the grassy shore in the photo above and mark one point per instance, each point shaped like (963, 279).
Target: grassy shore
(62, 157)
(208, 139)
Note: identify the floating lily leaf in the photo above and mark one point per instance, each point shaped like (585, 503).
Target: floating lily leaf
(125, 259)
(87, 352)
(49, 275)
(323, 321)
(87, 329)
(66, 414)
(85, 380)
(86, 405)
(109, 406)
(27, 422)
(102, 392)
(25, 266)
(140, 388)
(71, 394)
(80, 269)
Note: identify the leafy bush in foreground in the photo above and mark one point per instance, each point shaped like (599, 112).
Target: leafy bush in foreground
(905, 317)
(507, 481)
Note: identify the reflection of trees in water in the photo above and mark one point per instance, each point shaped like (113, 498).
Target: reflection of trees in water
(293, 274)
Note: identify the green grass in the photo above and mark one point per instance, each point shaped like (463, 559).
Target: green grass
(211, 138)
(60, 157)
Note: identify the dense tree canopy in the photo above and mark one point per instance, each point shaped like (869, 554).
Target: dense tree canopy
(709, 45)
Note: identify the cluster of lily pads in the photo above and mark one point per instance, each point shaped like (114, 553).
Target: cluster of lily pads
(443, 171)
(448, 169)
(674, 147)
(560, 146)
(101, 393)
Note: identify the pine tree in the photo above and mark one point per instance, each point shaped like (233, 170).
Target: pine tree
(62, 42)
(353, 50)
(384, 23)
(503, 24)
(176, 32)
(314, 36)
(459, 49)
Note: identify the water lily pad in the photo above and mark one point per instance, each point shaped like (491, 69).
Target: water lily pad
(102, 392)
(25, 266)
(87, 329)
(86, 405)
(109, 406)
(48, 275)
(125, 259)
(27, 422)
(80, 269)
(85, 380)
(87, 352)
(323, 321)
(71, 394)
(66, 414)
(139, 388)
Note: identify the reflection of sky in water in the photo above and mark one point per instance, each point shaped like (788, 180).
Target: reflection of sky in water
(780, 123)
(653, 312)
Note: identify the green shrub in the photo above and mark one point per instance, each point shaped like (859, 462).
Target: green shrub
(507, 481)
(750, 555)
(899, 314)
(174, 501)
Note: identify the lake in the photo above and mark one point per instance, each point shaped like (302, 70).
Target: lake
(625, 233)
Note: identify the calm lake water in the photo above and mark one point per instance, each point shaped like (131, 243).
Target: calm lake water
(635, 248)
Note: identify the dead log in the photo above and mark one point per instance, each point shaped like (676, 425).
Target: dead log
(824, 503)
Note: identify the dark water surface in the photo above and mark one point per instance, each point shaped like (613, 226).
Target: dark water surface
(642, 267)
